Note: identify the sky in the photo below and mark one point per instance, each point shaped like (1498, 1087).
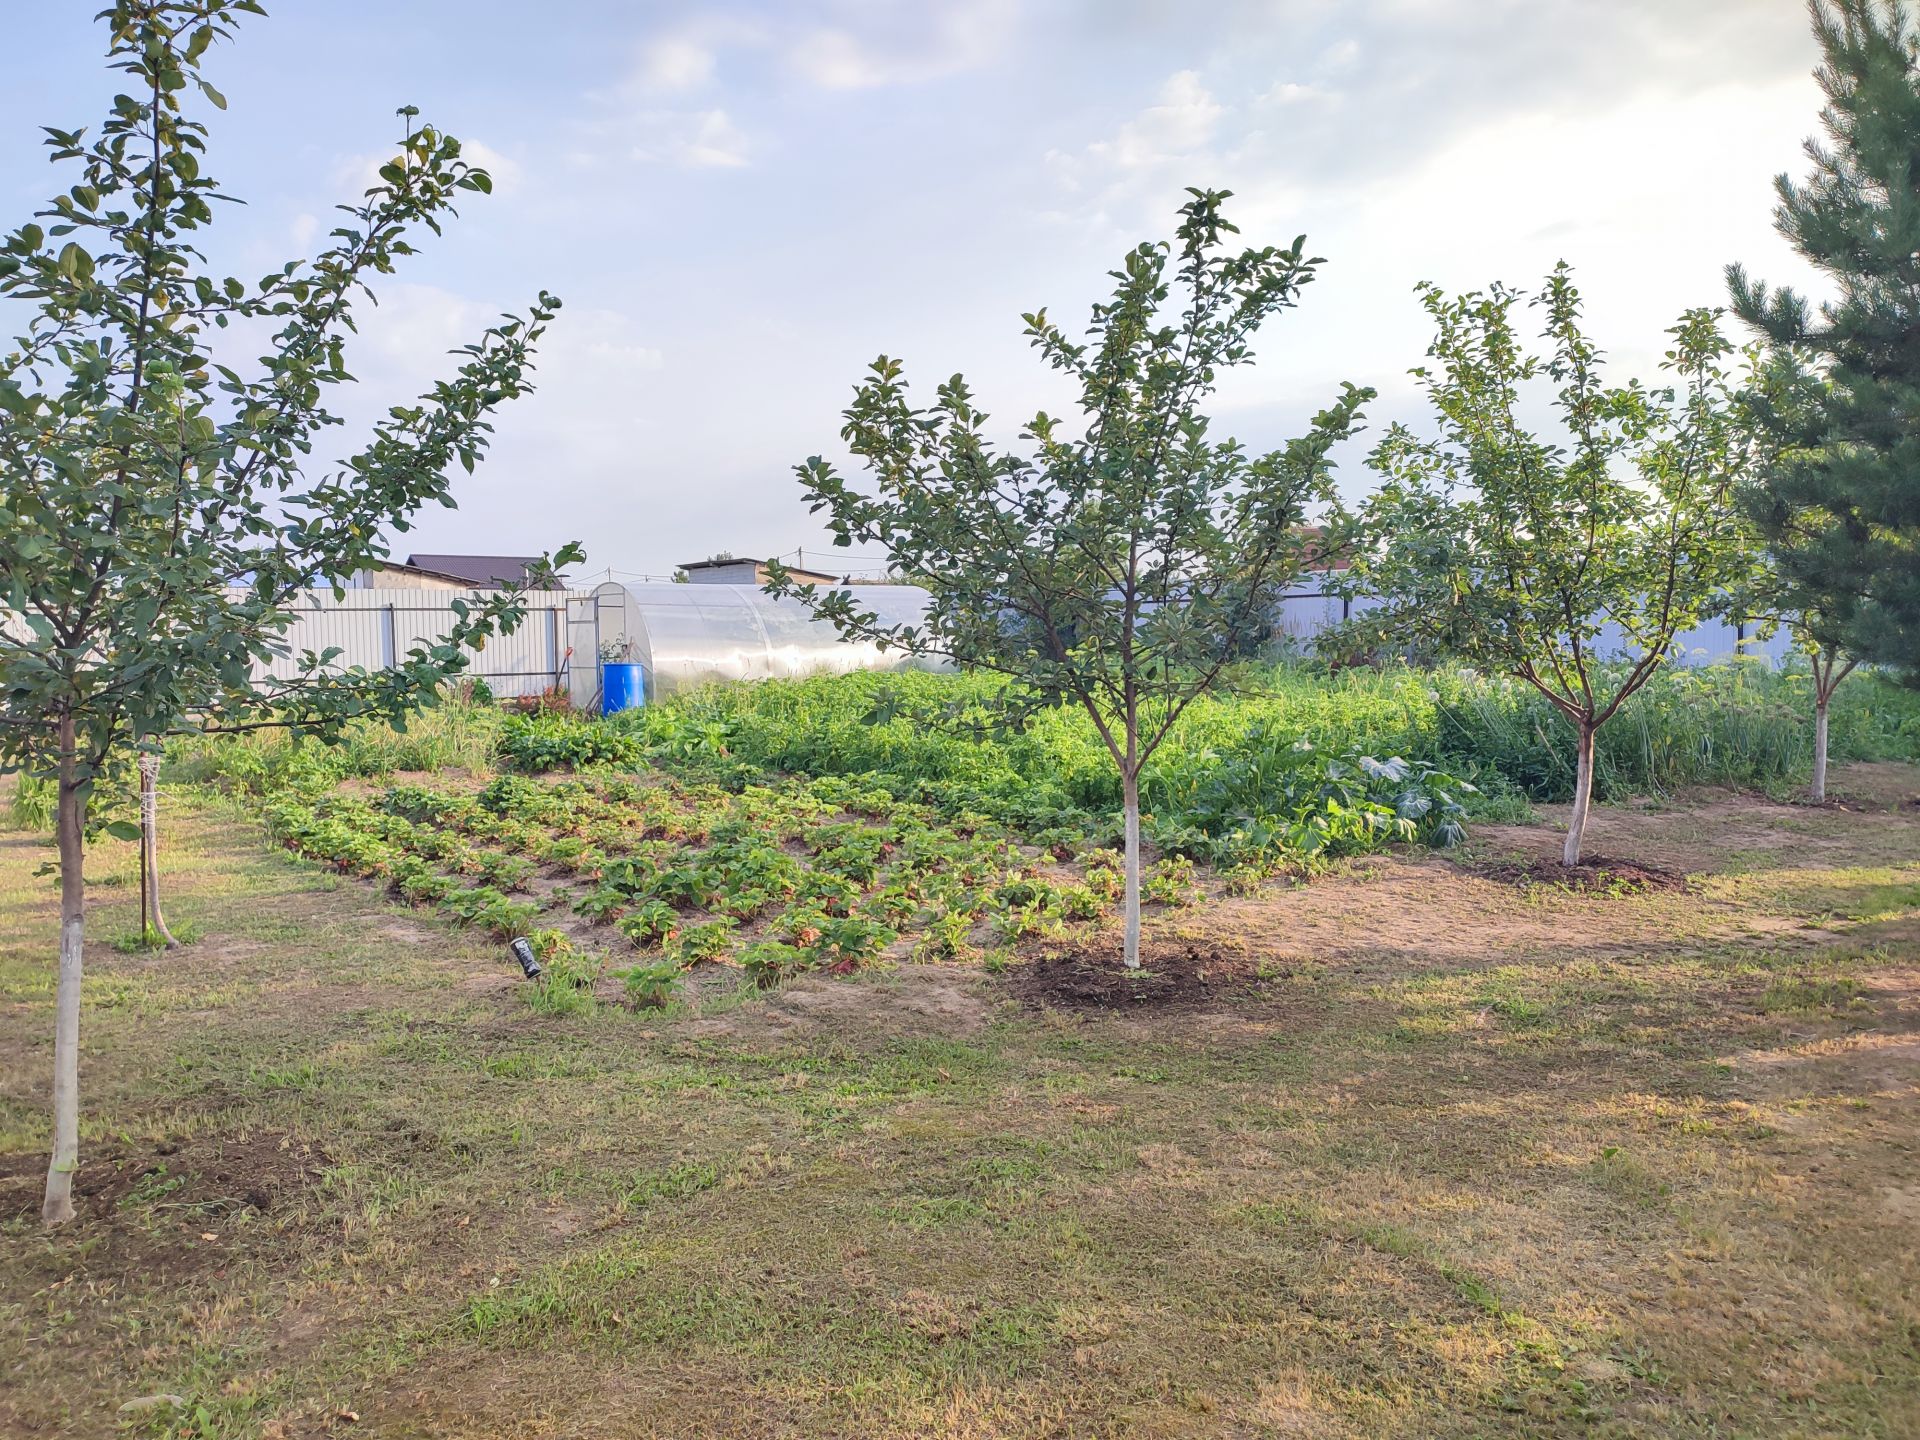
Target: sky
(742, 205)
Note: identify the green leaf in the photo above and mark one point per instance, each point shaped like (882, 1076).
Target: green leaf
(122, 829)
(219, 100)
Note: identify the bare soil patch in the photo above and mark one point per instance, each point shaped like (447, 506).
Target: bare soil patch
(1887, 786)
(1594, 875)
(1170, 977)
(1701, 831)
(210, 1178)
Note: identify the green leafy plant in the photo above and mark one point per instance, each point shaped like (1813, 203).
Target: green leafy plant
(1171, 882)
(709, 941)
(1122, 564)
(1534, 555)
(555, 740)
(651, 924)
(33, 802)
(651, 986)
(768, 962)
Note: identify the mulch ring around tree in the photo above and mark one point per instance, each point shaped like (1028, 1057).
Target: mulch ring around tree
(200, 1179)
(1594, 875)
(1094, 976)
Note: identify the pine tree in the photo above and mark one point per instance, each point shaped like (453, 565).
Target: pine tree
(1838, 499)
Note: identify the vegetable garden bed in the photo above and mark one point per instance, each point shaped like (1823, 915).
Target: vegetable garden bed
(664, 858)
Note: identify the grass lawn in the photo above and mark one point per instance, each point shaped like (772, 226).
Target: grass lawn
(1468, 1158)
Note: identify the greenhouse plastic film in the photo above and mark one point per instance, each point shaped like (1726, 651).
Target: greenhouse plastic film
(691, 635)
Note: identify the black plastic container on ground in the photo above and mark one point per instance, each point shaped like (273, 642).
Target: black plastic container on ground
(523, 952)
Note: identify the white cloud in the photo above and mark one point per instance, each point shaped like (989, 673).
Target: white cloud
(1180, 123)
(693, 139)
(410, 331)
(1341, 55)
(835, 60)
(1291, 92)
(503, 170)
(1165, 146)
(674, 62)
(904, 45)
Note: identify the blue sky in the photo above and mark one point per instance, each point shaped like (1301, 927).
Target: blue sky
(741, 205)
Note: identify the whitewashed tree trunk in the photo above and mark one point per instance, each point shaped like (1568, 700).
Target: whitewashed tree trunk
(57, 1207)
(1582, 798)
(1818, 790)
(1130, 790)
(153, 924)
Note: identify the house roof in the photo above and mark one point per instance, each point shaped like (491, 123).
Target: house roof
(476, 569)
(1314, 556)
(794, 570)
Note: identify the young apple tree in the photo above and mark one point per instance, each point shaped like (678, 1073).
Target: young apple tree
(1119, 565)
(1568, 561)
(160, 512)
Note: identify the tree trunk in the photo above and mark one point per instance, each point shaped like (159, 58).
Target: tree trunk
(156, 926)
(1130, 790)
(57, 1208)
(1818, 790)
(1582, 797)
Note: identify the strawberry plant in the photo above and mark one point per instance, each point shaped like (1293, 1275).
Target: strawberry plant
(653, 923)
(651, 986)
(768, 962)
(947, 937)
(1171, 882)
(702, 942)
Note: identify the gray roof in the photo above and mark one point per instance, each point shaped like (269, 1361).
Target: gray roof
(477, 569)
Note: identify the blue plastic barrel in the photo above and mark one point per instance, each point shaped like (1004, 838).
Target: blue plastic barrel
(623, 686)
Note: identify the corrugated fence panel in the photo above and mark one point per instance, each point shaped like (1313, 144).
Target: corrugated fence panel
(375, 628)
(554, 645)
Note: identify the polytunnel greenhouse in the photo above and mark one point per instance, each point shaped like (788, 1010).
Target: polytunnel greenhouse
(685, 636)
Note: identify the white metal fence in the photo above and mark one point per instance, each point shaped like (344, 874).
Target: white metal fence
(1307, 610)
(376, 628)
(555, 647)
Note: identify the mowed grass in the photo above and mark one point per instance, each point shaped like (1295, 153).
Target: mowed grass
(1482, 1161)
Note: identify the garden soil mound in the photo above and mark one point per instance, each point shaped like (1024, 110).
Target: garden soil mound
(1096, 978)
(1596, 874)
(197, 1176)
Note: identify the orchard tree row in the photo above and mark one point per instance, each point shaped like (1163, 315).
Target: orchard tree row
(1123, 562)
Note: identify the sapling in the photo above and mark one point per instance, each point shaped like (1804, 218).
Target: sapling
(161, 512)
(1119, 564)
(1569, 559)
